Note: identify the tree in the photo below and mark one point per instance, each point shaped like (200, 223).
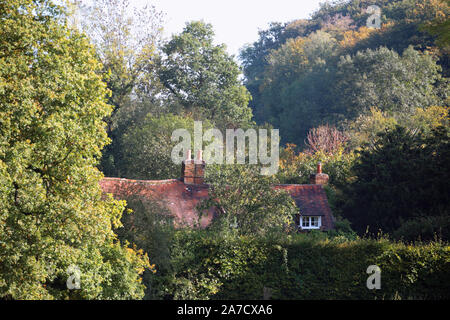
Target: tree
(254, 56)
(151, 227)
(127, 46)
(385, 82)
(295, 88)
(296, 92)
(440, 29)
(147, 148)
(436, 21)
(325, 139)
(366, 127)
(247, 202)
(52, 216)
(400, 177)
(381, 78)
(204, 78)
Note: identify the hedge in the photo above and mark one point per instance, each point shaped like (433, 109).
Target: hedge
(208, 266)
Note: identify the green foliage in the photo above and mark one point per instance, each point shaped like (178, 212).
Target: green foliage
(383, 79)
(203, 78)
(332, 67)
(440, 24)
(151, 227)
(51, 132)
(146, 149)
(440, 29)
(295, 92)
(212, 266)
(342, 229)
(127, 47)
(366, 127)
(254, 57)
(247, 202)
(399, 176)
(296, 168)
(431, 227)
(372, 78)
(401, 20)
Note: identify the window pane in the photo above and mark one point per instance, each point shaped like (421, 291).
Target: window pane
(314, 221)
(305, 222)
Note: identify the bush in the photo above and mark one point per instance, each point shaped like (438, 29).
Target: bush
(207, 265)
(424, 228)
(150, 227)
(402, 175)
(342, 229)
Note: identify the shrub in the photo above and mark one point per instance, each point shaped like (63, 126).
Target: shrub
(207, 265)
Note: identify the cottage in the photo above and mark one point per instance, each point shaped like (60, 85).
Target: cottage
(181, 196)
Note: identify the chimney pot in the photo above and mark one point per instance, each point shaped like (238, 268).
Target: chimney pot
(193, 171)
(319, 177)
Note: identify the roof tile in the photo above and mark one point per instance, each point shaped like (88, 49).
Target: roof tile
(181, 199)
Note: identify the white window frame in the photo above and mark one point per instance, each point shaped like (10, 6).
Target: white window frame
(308, 221)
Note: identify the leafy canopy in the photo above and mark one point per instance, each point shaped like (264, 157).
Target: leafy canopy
(52, 102)
(402, 175)
(247, 202)
(204, 78)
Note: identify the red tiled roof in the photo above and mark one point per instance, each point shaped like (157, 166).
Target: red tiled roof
(312, 200)
(181, 199)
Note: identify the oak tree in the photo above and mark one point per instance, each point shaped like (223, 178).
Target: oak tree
(54, 224)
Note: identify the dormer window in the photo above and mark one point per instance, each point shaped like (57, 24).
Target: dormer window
(310, 222)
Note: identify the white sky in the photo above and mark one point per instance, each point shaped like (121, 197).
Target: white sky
(235, 22)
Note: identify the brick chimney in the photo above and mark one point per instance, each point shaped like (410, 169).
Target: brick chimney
(319, 177)
(193, 170)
